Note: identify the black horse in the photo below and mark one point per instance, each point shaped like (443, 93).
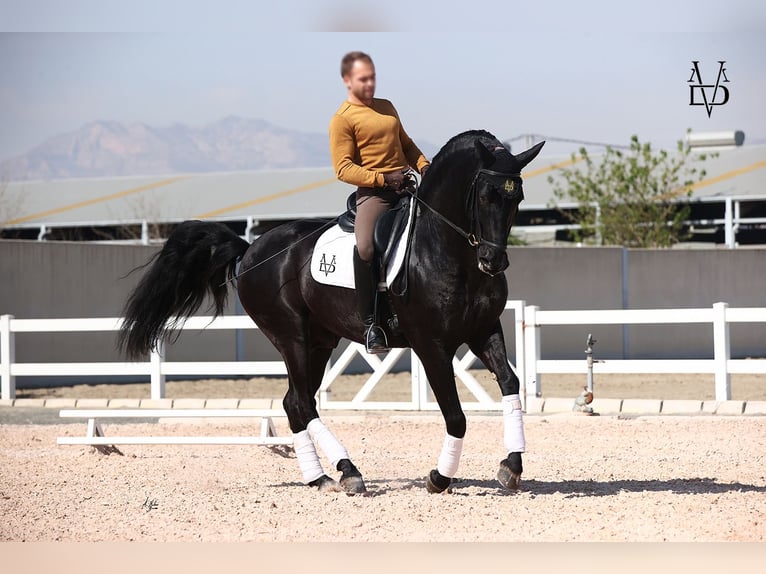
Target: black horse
(455, 294)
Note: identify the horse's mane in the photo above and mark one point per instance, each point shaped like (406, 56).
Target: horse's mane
(462, 142)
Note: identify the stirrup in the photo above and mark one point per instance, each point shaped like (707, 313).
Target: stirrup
(375, 332)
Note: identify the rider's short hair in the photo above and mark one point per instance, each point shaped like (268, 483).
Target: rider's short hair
(348, 62)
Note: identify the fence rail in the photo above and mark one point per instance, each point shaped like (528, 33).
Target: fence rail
(528, 321)
(157, 368)
(720, 316)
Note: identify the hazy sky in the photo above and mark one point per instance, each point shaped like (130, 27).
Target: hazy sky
(588, 70)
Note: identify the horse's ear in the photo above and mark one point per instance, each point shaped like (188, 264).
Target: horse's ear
(526, 156)
(487, 157)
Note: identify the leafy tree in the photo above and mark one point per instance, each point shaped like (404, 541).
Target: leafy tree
(633, 197)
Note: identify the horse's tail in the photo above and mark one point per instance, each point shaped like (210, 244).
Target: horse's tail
(196, 260)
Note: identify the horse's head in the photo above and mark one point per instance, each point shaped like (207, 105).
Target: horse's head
(493, 201)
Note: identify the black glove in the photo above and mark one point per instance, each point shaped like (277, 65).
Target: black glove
(394, 181)
(423, 171)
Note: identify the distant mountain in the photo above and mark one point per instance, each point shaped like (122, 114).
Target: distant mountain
(109, 148)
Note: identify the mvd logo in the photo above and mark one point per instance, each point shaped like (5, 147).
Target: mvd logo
(708, 95)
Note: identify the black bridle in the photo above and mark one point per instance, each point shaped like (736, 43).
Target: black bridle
(474, 236)
(472, 203)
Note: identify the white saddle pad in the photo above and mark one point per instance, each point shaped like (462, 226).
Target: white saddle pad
(332, 262)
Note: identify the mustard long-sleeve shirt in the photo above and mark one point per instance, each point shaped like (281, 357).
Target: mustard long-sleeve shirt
(368, 141)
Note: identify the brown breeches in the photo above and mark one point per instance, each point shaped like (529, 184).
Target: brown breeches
(371, 203)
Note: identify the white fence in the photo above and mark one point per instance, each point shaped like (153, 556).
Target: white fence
(157, 368)
(720, 316)
(528, 321)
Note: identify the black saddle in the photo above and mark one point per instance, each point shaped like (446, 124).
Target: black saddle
(388, 228)
(346, 220)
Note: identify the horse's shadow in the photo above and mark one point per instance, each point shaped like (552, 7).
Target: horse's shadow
(569, 488)
(588, 488)
(374, 487)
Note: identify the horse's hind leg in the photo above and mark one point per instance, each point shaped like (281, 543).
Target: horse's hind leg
(351, 480)
(289, 334)
(491, 351)
(306, 361)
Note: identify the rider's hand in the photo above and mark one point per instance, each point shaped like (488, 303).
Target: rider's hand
(394, 181)
(423, 171)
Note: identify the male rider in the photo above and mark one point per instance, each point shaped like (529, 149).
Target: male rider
(371, 150)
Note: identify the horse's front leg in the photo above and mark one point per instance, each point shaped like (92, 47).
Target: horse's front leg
(438, 367)
(491, 350)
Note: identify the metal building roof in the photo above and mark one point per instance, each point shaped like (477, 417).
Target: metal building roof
(287, 194)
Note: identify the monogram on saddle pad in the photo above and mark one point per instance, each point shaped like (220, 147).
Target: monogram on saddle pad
(332, 261)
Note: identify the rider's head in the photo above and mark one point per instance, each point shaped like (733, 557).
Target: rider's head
(358, 73)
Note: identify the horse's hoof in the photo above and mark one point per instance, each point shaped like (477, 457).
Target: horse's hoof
(508, 477)
(353, 485)
(436, 483)
(326, 484)
(351, 479)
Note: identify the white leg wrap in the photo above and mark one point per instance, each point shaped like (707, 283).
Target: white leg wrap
(450, 456)
(513, 432)
(327, 442)
(308, 460)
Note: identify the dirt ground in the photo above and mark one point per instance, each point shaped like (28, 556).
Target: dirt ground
(699, 478)
(586, 478)
(397, 387)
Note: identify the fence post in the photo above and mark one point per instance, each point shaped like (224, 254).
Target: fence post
(156, 357)
(518, 324)
(321, 395)
(415, 380)
(7, 358)
(419, 382)
(532, 384)
(721, 352)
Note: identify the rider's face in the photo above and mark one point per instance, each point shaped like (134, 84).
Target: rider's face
(360, 81)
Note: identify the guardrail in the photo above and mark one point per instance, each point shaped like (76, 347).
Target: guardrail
(529, 365)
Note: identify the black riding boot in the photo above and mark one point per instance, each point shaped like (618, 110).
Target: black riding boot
(366, 279)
